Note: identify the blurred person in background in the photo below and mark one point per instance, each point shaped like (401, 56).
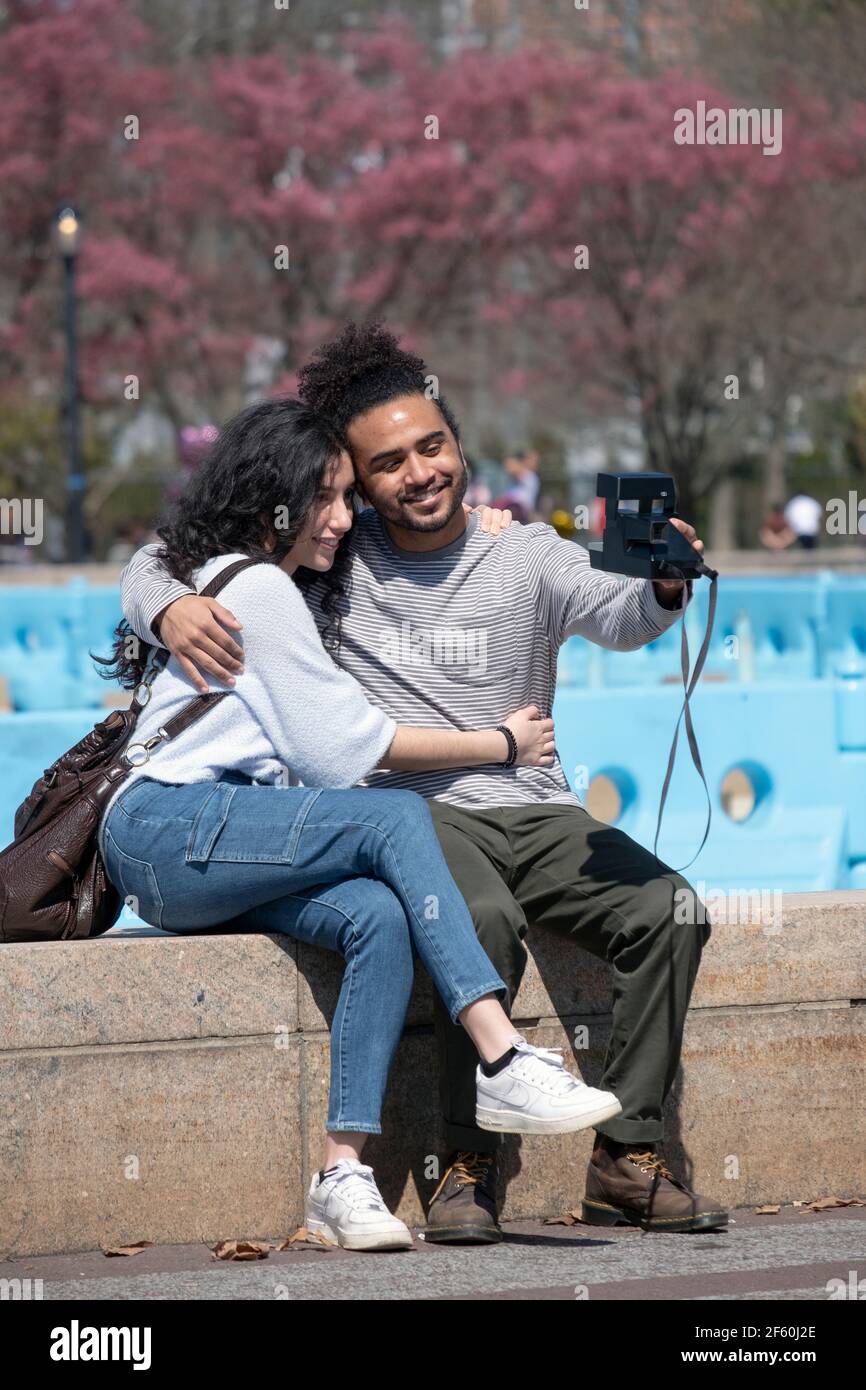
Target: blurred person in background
(521, 495)
(804, 515)
(775, 533)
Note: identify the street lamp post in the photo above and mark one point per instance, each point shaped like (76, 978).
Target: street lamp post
(67, 240)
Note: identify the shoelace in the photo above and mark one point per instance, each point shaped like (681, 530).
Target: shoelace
(649, 1162)
(470, 1167)
(358, 1188)
(552, 1057)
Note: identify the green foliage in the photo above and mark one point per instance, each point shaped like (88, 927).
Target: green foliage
(33, 461)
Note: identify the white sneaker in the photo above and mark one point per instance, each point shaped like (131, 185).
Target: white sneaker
(346, 1207)
(535, 1094)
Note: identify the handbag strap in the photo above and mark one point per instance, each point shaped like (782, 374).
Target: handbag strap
(161, 655)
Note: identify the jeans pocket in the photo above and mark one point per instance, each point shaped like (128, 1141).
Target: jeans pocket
(136, 881)
(249, 825)
(209, 822)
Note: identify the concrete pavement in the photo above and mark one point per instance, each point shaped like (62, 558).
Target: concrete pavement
(790, 1257)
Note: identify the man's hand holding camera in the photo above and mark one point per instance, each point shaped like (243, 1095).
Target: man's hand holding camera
(668, 591)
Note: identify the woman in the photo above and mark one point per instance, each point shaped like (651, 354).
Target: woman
(239, 820)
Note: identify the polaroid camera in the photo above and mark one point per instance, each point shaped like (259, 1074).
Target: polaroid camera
(638, 538)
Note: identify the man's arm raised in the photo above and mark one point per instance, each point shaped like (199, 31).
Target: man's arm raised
(576, 600)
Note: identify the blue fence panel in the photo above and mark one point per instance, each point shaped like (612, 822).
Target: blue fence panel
(46, 636)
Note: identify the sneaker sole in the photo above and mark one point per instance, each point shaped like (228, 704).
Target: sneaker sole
(515, 1122)
(462, 1235)
(362, 1240)
(601, 1214)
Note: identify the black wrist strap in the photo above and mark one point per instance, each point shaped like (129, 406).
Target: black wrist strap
(512, 745)
(688, 688)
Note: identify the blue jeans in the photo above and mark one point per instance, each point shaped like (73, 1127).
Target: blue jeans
(358, 871)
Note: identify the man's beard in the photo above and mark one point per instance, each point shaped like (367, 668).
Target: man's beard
(403, 516)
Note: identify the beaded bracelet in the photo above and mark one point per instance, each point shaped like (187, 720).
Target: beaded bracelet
(512, 745)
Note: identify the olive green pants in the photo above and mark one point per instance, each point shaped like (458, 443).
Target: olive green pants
(555, 867)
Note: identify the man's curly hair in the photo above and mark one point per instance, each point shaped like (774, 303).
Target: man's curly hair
(364, 367)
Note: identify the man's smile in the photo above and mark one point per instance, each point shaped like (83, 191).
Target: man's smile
(425, 498)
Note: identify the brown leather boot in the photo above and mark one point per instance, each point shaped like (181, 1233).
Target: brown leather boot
(630, 1183)
(463, 1207)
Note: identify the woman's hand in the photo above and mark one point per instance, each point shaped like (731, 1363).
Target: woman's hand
(534, 735)
(491, 519)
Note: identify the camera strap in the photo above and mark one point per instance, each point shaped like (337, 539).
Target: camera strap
(688, 689)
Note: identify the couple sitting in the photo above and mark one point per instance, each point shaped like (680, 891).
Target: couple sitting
(375, 656)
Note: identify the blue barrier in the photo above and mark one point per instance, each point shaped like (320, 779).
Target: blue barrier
(808, 828)
(46, 634)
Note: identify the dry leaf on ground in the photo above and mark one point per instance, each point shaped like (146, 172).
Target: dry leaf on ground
(826, 1203)
(570, 1219)
(307, 1240)
(241, 1250)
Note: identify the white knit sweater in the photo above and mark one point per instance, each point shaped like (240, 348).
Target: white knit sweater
(292, 716)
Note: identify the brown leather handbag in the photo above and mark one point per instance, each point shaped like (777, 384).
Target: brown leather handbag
(53, 883)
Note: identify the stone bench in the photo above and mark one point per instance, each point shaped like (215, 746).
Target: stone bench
(175, 1089)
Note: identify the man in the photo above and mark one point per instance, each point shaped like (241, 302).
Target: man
(804, 515)
(521, 495)
(775, 533)
(447, 625)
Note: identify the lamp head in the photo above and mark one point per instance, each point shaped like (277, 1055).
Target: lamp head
(67, 231)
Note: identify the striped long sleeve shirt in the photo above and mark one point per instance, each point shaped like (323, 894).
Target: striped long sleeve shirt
(458, 638)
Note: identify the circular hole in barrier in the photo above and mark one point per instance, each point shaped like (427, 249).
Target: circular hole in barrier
(610, 794)
(742, 790)
(603, 800)
(737, 794)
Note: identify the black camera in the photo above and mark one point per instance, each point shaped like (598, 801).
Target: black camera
(638, 538)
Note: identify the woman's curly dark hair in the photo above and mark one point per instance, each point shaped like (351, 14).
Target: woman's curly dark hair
(363, 367)
(259, 480)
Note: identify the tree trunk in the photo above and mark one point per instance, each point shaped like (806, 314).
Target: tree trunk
(722, 528)
(775, 486)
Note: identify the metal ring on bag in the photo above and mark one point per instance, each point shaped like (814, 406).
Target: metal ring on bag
(141, 694)
(140, 761)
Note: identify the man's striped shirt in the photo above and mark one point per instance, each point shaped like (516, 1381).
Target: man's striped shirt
(458, 638)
